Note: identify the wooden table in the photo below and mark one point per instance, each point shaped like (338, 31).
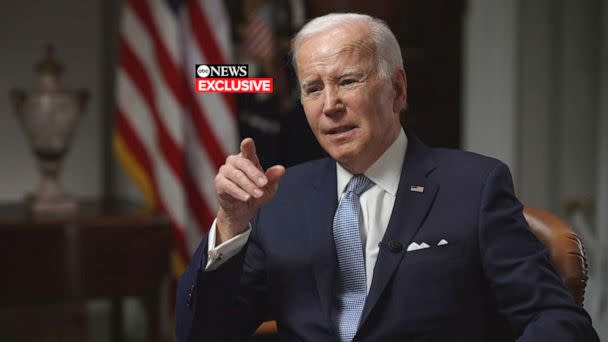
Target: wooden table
(109, 249)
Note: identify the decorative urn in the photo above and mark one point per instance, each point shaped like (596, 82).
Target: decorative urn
(49, 115)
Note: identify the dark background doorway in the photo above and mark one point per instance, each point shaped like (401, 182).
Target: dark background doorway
(430, 33)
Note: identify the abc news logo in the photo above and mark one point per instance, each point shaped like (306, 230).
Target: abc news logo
(222, 70)
(229, 78)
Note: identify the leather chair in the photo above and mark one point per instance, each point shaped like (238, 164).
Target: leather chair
(565, 248)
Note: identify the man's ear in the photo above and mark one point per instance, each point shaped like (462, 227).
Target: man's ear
(400, 88)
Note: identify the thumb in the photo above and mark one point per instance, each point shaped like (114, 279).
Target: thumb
(275, 173)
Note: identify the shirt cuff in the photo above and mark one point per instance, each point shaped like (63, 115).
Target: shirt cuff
(218, 255)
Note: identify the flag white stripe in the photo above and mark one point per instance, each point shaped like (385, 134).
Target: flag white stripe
(167, 27)
(201, 170)
(137, 113)
(142, 45)
(216, 110)
(171, 191)
(217, 17)
(177, 39)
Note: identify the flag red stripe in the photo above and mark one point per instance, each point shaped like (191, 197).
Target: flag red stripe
(170, 143)
(204, 34)
(135, 146)
(169, 147)
(139, 152)
(172, 153)
(198, 205)
(184, 94)
(206, 136)
(169, 70)
(205, 38)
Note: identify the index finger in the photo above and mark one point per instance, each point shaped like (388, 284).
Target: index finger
(248, 151)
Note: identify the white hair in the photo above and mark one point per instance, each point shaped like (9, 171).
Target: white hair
(388, 52)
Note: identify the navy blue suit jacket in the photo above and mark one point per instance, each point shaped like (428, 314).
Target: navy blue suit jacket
(491, 282)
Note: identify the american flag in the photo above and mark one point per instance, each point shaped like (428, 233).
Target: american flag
(171, 140)
(258, 37)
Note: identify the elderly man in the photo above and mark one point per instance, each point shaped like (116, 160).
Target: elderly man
(387, 240)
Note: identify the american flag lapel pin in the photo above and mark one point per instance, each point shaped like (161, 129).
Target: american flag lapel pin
(417, 188)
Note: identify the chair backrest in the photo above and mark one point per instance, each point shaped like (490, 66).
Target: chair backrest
(565, 247)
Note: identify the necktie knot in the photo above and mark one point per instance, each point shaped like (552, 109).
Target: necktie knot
(358, 184)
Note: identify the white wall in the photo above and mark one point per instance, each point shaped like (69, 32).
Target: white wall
(599, 309)
(489, 76)
(535, 97)
(73, 26)
(536, 128)
(577, 98)
(530, 90)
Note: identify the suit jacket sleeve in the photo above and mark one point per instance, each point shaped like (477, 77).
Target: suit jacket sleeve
(528, 290)
(226, 304)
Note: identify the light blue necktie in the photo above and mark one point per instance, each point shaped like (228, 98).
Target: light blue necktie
(351, 286)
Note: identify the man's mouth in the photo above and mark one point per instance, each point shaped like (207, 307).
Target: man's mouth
(340, 129)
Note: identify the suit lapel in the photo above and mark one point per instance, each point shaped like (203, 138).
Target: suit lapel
(408, 214)
(321, 206)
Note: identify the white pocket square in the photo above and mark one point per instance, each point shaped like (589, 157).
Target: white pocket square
(442, 242)
(414, 246)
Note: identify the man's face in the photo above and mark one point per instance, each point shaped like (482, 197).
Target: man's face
(350, 109)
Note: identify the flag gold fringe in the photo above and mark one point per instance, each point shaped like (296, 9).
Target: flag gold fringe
(135, 171)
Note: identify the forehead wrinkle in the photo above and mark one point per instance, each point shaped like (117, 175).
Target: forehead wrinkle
(357, 48)
(329, 61)
(360, 46)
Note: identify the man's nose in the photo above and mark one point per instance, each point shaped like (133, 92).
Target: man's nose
(332, 101)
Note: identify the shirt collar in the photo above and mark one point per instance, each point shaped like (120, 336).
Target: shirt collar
(384, 172)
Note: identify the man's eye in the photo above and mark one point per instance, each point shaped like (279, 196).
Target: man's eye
(347, 81)
(311, 90)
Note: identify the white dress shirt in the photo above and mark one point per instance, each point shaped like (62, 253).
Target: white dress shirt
(376, 208)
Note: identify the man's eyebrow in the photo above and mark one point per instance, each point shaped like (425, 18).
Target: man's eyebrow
(351, 72)
(307, 82)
